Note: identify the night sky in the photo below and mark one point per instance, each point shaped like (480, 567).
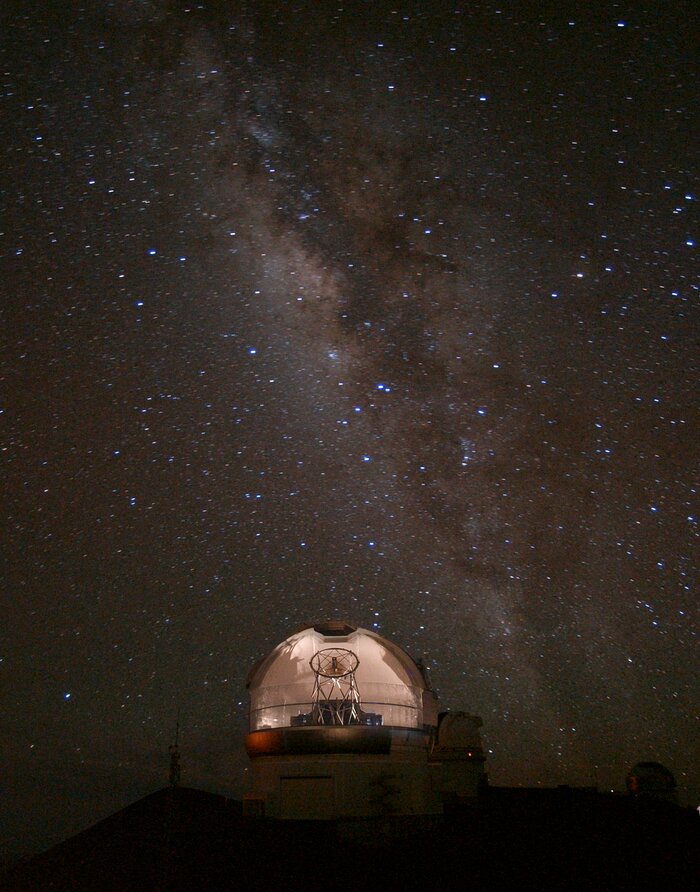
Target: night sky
(383, 312)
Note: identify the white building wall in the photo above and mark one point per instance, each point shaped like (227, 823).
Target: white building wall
(334, 786)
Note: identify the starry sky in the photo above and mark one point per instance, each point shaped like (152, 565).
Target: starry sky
(383, 312)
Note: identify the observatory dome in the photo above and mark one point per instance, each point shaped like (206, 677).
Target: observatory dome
(343, 723)
(651, 779)
(334, 673)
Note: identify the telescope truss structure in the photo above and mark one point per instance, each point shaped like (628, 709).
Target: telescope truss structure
(335, 698)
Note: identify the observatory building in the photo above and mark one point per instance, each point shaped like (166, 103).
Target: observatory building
(344, 723)
(653, 781)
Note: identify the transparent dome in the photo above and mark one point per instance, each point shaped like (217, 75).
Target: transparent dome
(333, 673)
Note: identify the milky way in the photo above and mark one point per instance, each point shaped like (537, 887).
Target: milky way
(367, 313)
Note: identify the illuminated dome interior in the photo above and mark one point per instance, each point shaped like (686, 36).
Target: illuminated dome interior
(383, 685)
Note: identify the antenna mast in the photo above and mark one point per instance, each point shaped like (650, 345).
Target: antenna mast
(174, 750)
